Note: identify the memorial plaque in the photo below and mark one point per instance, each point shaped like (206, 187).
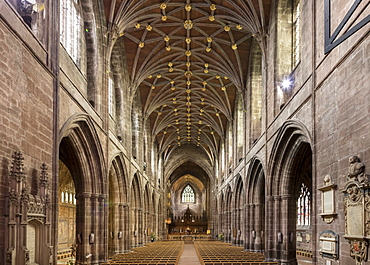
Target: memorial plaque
(355, 220)
(328, 201)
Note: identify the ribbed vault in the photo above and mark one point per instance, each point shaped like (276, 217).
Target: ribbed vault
(188, 59)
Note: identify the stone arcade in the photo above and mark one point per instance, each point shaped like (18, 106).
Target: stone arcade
(129, 121)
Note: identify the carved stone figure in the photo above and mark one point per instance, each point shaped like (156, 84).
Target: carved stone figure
(356, 170)
(353, 193)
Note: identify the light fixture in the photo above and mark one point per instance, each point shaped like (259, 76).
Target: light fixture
(286, 83)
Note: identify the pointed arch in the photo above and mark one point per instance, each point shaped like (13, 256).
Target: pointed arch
(81, 152)
(292, 136)
(239, 213)
(136, 212)
(255, 206)
(117, 215)
(290, 164)
(79, 142)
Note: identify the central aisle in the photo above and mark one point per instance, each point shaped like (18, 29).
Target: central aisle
(189, 255)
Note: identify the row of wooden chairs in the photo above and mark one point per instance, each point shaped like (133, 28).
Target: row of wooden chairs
(157, 253)
(220, 253)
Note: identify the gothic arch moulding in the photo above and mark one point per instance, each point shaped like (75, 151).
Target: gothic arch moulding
(118, 177)
(291, 139)
(255, 181)
(84, 153)
(81, 152)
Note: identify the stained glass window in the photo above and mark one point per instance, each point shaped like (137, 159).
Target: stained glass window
(304, 206)
(188, 194)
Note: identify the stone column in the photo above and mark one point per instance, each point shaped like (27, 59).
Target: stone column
(245, 226)
(126, 237)
(140, 228)
(133, 225)
(103, 229)
(278, 236)
(258, 228)
(248, 228)
(118, 231)
(270, 234)
(83, 227)
(288, 203)
(96, 218)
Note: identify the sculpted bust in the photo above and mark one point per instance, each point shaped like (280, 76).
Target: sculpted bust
(356, 170)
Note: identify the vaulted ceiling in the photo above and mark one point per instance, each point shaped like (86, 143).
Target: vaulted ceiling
(188, 60)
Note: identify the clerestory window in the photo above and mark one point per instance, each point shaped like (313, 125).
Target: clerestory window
(296, 33)
(71, 36)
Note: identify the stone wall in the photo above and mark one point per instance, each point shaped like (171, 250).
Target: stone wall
(26, 109)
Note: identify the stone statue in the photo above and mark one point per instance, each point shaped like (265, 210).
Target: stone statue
(356, 170)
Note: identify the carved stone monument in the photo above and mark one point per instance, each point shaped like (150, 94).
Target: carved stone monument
(357, 210)
(329, 244)
(327, 200)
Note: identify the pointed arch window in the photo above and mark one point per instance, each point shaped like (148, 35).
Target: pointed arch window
(188, 194)
(304, 206)
(71, 35)
(296, 32)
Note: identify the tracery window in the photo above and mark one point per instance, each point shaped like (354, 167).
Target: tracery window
(296, 32)
(188, 194)
(71, 29)
(304, 206)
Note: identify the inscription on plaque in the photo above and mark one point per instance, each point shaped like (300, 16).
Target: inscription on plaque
(355, 220)
(328, 204)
